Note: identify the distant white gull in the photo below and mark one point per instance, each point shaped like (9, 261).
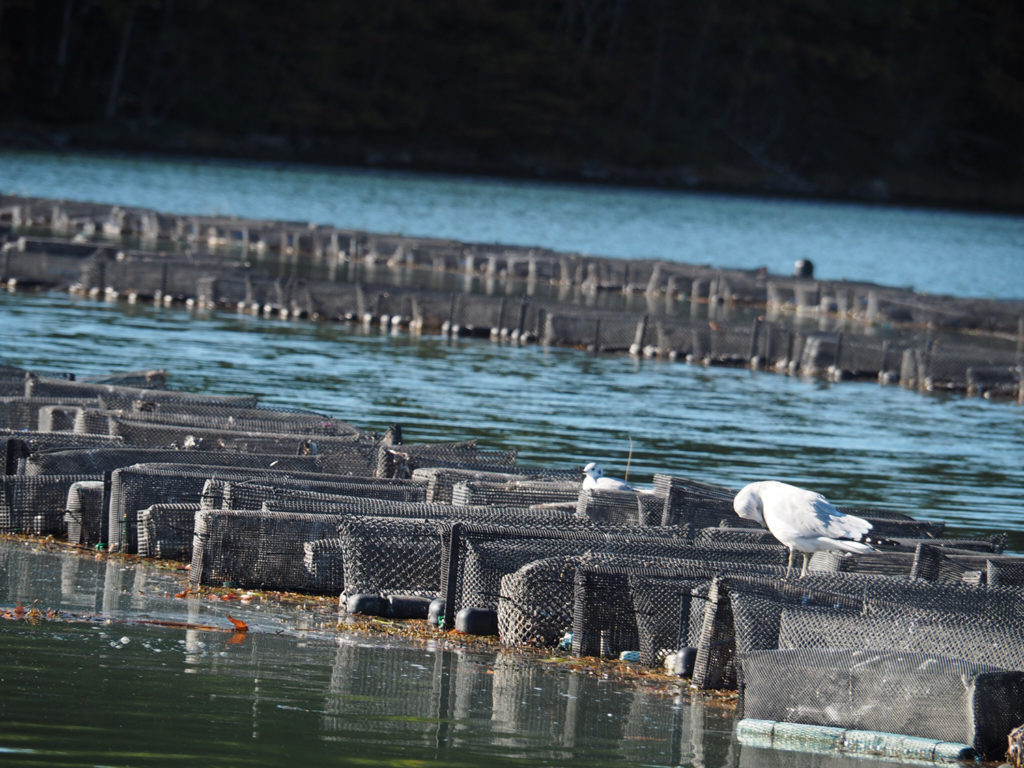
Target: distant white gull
(802, 520)
(594, 478)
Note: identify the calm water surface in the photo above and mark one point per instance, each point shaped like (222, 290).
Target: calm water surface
(968, 254)
(132, 675)
(295, 689)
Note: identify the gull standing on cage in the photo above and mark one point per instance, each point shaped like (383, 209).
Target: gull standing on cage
(802, 520)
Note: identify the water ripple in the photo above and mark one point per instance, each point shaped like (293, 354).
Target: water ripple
(940, 457)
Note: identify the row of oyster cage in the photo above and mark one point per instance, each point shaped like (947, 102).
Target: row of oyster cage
(837, 329)
(394, 527)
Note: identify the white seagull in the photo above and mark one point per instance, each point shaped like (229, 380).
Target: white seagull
(595, 479)
(802, 520)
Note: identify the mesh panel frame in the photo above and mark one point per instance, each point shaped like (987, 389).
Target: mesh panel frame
(295, 492)
(972, 636)
(515, 493)
(474, 562)
(404, 459)
(358, 450)
(17, 447)
(142, 485)
(619, 507)
(388, 555)
(441, 480)
(257, 550)
(84, 512)
(752, 621)
(114, 396)
(166, 531)
(35, 505)
(97, 460)
(23, 413)
(240, 420)
(652, 601)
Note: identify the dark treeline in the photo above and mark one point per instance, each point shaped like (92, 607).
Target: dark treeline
(892, 99)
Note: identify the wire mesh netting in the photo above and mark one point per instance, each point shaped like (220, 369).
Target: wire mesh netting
(28, 413)
(300, 491)
(744, 613)
(654, 606)
(294, 500)
(138, 486)
(921, 561)
(257, 550)
(35, 505)
(514, 493)
(441, 480)
(356, 453)
(114, 396)
(620, 507)
(89, 420)
(403, 460)
(385, 555)
(476, 557)
(1005, 572)
(98, 460)
(17, 446)
(166, 530)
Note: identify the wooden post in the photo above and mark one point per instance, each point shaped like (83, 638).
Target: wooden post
(451, 314)
(360, 302)
(522, 315)
(697, 342)
(451, 575)
(501, 315)
(641, 335)
(909, 368)
(755, 337)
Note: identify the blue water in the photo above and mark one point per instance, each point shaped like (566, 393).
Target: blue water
(942, 252)
(938, 457)
(300, 690)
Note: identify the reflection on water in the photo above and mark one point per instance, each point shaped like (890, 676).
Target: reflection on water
(125, 682)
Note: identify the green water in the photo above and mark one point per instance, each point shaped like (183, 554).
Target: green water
(120, 680)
